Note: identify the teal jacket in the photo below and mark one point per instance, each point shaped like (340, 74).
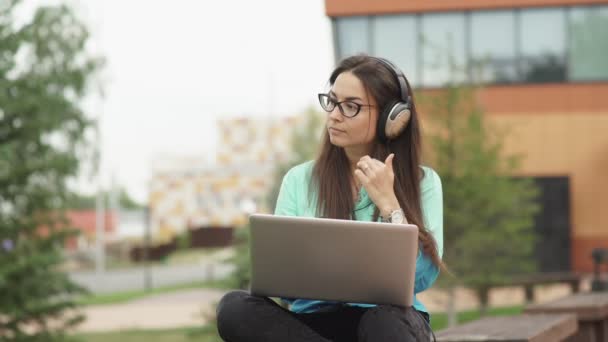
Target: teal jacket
(293, 200)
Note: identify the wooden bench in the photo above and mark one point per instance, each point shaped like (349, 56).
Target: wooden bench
(528, 282)
(599, 256)
(591, 310)
(519, 328)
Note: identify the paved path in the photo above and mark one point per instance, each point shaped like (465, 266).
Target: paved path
(190, 307)
(179, 309)
(134, 278)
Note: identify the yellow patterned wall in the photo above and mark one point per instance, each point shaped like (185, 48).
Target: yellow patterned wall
(254, 140)
(194, 193)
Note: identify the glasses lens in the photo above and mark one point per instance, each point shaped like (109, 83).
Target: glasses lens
(326, 103)
(350, 109)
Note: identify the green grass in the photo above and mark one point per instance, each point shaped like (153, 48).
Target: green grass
(125, 296)
(440, 320)
(192, 334)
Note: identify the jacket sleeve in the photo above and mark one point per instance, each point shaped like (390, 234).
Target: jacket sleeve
(432, 210)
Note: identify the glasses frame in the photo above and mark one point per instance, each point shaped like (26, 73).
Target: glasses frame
(334, 103)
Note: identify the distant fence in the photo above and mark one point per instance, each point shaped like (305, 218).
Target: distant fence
(211, 237)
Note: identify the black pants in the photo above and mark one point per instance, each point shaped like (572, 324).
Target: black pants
(242, 317)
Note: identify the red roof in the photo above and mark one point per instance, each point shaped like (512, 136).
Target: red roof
(85, 221)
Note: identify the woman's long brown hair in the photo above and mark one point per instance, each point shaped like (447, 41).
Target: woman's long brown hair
(332, 176)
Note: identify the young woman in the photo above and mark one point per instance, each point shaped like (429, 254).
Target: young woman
(368, 169)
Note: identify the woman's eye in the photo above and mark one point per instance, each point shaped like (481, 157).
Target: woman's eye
(350, 106)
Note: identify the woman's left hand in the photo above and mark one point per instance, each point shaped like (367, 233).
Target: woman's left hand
(378, 179)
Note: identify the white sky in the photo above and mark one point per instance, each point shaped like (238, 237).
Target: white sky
(173, 67)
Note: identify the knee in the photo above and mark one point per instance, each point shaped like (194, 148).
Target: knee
(387, 322)
(231, 309)
(381, 315)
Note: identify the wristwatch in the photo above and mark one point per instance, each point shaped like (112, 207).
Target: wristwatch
(396, 216)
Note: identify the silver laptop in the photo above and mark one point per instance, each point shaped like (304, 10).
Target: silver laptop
(334, 260)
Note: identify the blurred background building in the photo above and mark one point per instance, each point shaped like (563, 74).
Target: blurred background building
(545, 68)
(86, 222)
(192, 193)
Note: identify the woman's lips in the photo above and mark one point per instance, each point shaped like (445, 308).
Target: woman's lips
(335, 130)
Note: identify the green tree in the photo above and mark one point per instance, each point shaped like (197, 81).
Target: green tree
(44, 74)
(241, 276)
(127, 202)
(488, 214)
(81, 201)
(305, 139)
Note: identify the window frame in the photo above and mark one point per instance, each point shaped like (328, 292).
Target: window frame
(518, 37)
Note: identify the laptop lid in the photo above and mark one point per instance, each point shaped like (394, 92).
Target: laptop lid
(334, 260)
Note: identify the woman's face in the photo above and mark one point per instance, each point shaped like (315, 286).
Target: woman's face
(359, 130)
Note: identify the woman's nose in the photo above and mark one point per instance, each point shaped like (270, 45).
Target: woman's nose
(335, 114)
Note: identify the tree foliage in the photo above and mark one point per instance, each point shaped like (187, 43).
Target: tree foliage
(123, 199)
(44, 73)
(488, 213)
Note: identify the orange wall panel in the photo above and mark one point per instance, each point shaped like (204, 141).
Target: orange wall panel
(540, 99)
(564, 144)
(546, 98)
(338, 8)
(581, 252)
(573, 145)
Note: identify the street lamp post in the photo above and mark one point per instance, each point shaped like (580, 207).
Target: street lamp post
(147, 273)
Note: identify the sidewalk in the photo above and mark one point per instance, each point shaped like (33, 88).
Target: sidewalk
(192, 307)
(183, 268)
(178, 309)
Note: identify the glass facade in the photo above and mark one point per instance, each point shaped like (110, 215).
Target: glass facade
(543, 45)
(528, 45)
(588, 44)
(493, 58)
(443, 48)
(353, 35)
(394, 38)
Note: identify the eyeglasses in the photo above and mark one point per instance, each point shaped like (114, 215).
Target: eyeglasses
(347, 108)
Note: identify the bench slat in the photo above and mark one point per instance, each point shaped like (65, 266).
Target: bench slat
(519, 328)
(542, 278)
(588, 306)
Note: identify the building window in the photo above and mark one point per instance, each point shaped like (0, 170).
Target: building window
(543, 45)
(352, 35)
(529, 45)
(493, 53)
(588, 43)
(552, 224)
(443, 40)
(395, 38)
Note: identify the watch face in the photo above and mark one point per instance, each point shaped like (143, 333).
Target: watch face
(397, 216)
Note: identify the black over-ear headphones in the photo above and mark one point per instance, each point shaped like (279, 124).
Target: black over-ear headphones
(394, 117)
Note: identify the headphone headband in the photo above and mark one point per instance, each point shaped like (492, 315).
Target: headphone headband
(401, 80)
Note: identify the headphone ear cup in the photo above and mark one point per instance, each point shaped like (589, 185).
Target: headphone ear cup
(396, 120)
(382, 120)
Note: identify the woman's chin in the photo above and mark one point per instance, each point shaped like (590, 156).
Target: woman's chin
(337, 141)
